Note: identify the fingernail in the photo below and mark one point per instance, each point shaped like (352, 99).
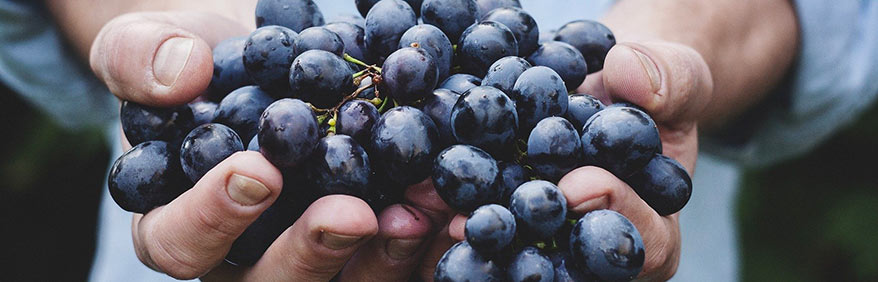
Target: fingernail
(337, 241)
(649, 67)
(170, 59)
(399, 249)
(245, 190)
(593, 204)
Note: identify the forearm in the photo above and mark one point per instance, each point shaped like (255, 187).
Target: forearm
(81, 20)
(748, 45)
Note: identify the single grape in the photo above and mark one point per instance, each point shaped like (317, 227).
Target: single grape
(367, 93)
(485, 117)
(530, 265)
(607, 245)
(438, 106)
(403, 145)
(538, 93)
(385, 24)
(626, 104)
(539, 208)
(485, 6)
(241, 109)
(142, 123)
(147, 176)
(205, 147)
(363, 6)
(489, 229)
(484, 43)
(565, 269)
(522, 25)
(354, 19)
(287, 132)
(464, 177)
(355, 119)
(504, 72)
(460, 82)
(621, 140)
(512, 175)
(451, 16)
(320, 78)
(431, 39)
(228, 68)
(591, 38)
(352, 37)
(664, 184)
(268, 54)
(409, 74)
(319, 38)
(203, 111)
(293, 14)
(339, 166)
(563, 59)
(462, 263)
(554, 148)
(580, 108)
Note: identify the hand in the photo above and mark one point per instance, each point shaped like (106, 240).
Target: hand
(165, 59)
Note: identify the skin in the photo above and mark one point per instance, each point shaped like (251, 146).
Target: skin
(710, 61)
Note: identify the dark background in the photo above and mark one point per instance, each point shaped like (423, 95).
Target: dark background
(812, 218)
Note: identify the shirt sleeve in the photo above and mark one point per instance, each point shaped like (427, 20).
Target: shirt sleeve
(36, 63)
(834, 81)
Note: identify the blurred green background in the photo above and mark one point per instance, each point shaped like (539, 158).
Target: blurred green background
(812, 218)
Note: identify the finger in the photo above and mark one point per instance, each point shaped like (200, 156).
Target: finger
(159, 59)
(671, 81)
(457, 227)
(424, 196)
(395, 252)
(193, 233)
(320, 242)
(591, 188)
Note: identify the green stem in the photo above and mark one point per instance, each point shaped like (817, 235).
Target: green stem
(361, 73)
(383, 105)
(354, 60)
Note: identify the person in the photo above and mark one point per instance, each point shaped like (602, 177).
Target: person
(694, 66)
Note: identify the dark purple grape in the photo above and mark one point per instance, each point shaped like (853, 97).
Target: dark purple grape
(404, 143)
(485, 6)
(522, 25)
(484, 43)
(339, 166)
(462, 263)
(563, 59)
(664, 184)
(268, 54)
(438, 106)
(293, 14)
(566, 269)
(591, 38)
(368, 93)
(554, 148)
(363, 6)
(621, 140)
(607, 245)
(319, 38)
(539, 208)
(464, 177)
(489, 229)
(460, 82)
(320, 78)
(385, 24)
(485, 117)
(530, 265)
(147, 176)
(626, 104)
(512, 175)
(580, 108)
(287, 132)
(205, 147)
(451, 16)
(228, 68)
(434, 42)
(254, 144)
(504, 72)
(203, 111)
(409, 74)
(354, 19)
(143, 123)
(352, 37)
(241, 109)
(538, 93)
(355, 119)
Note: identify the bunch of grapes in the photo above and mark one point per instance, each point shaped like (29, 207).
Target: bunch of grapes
(470, 98)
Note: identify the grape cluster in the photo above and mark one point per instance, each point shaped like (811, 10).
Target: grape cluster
(470, 99)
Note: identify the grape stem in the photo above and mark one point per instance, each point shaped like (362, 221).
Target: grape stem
(360, 63)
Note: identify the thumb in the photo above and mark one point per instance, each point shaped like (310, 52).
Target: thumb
(670, 81)
(159, 58)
